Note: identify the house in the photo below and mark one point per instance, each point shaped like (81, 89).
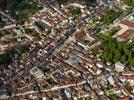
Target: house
(119, 67)
(111, 80)
(128, 72)
(126, 35)
(130, 79)
(97, 72)
(73, 59)
(127, 31)
(40, 25)
(99, 64)
(37, 73)
(127, 24)
(4, 95)
(67, 92)
(124, 98)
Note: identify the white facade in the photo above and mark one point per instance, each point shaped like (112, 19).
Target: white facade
(111, 80)
(119, 67)
(37, 73)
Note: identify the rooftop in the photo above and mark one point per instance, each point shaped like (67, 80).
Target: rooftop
(120, 64)
(126, 34)
(37, 73)
(128, 22)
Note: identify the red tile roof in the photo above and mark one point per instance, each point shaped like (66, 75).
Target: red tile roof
(127, 23)
(81, 34)
(126, 34)
(124, 98)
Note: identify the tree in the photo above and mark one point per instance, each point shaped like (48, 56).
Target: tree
(5, 59)
(114, 51)
(75, 11)
(88, 98)
(123, 58)
(111, 15)
(14, 39)
(131, 64)
(127, 85)
(109, 87)
(129, 59)
(21, 9)
(117, 56)
(112, 97)
(128, 2)
(0, 19)
(28, 30)
(94, 51)
(2, 24)
(61, 1)
(113, 30)
(110, 57)
(90, 2)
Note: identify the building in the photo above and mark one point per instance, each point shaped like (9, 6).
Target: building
(128, 34)
(73, 59)
(127, 31)
(37, 73)
(125, 98)
(4, 95)
(128, 23)
(119, 67)
(40, 25)
(111, 80)
(99, 64)
(130, 79)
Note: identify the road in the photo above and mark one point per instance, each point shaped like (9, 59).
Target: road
(95, 45)
(47, 90)
(8, 27)
(8, 17)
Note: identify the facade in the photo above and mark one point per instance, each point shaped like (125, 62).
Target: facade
(128, 34)
(37, 73)
(127, 31)
(119, 67)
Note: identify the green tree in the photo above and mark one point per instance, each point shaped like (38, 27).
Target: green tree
(28, 30)
(90, 2)
(88, 98)
(110, 57)
(128, 2)
(131, 64)
(112, 97)
(127, 85)
(111, 15)
(114, 50)
(61, 1)
(117, 56)
(109, 87)
(75, 11)
(2, 24)
(22, 9)
(5, 59)
(123, 58)
(94, 51)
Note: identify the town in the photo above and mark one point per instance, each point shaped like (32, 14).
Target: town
(67, 50)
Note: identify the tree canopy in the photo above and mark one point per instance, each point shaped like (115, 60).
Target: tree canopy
(114, 51)
(90, 2)
(129, 3)
(75, 11)
(61, 1)
(5, 59)
(111, 15)
(20, 9)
